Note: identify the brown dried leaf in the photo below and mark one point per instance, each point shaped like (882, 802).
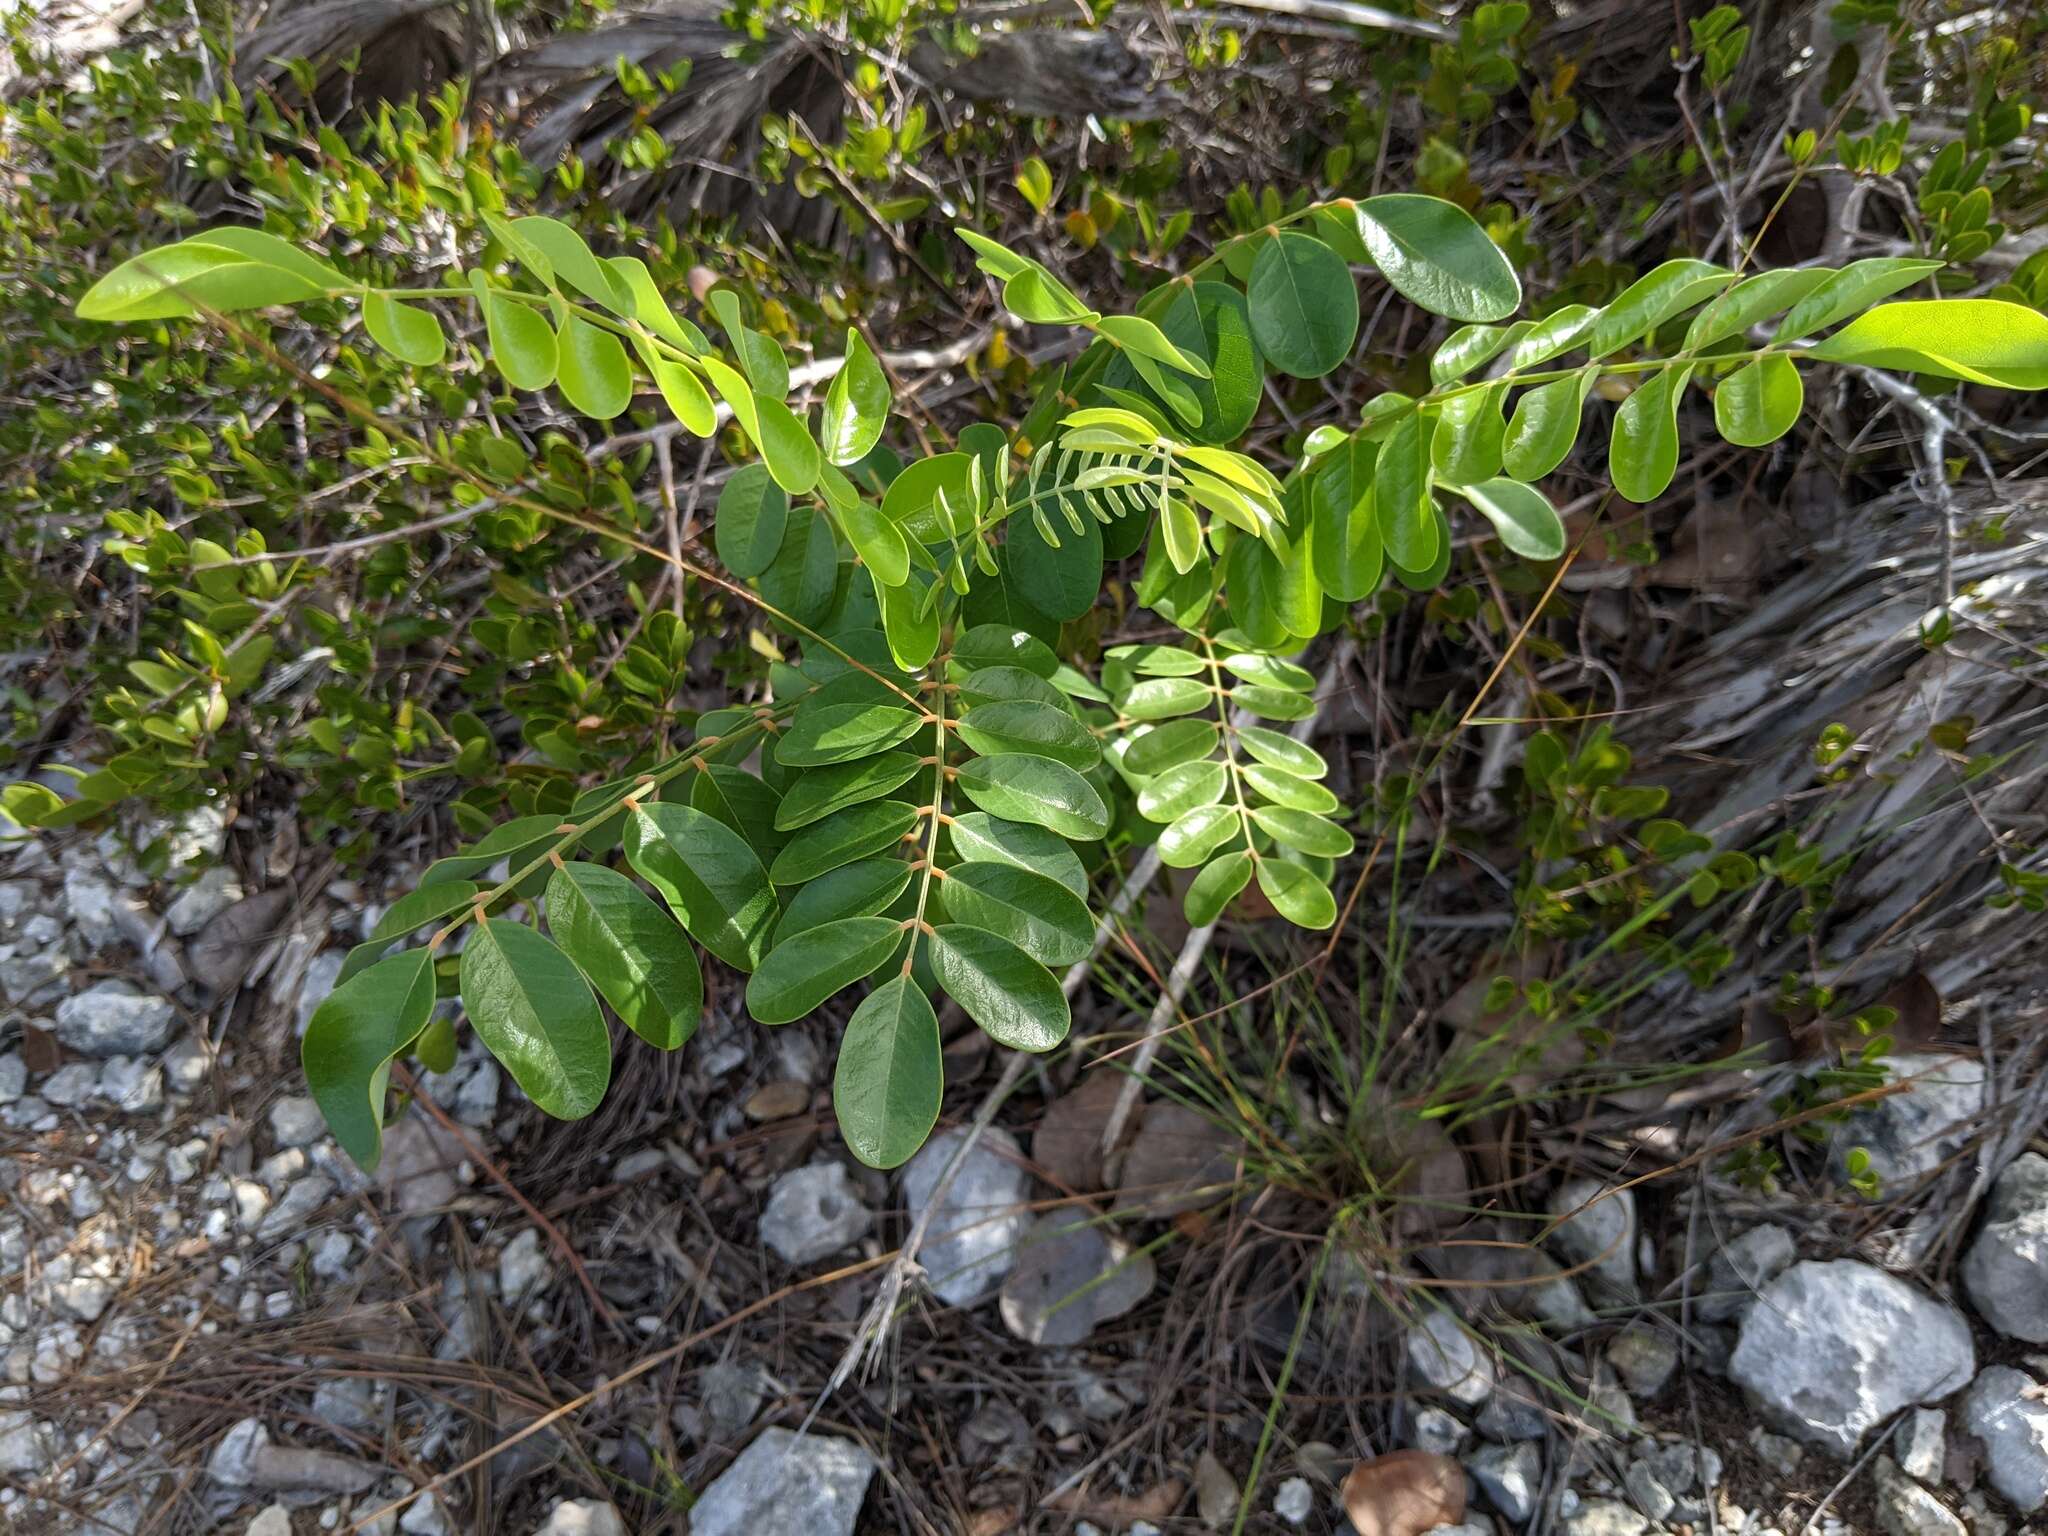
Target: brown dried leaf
(226, 947)
(1919, 1008)
(1404, 1493)
(1216, 1492)
(778, 1101)
(1179, 1161)
(40, 1050)
(1715, 549)
(1067, 1146)
(1153, 1505)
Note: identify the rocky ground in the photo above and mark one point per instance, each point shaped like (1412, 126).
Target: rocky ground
(211, 1321)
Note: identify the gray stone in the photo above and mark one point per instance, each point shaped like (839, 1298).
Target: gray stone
(23, 1444)
(476, 1102)
(1554, 1300)
(347, 1401)
(1682, 1466)
(1981, 1518)
(582, 1517)
(1597, 1228)
(1435, 1431)
(275, 1520)
(187, 1064)
(1294, 1501)
(203, 900)
(234, 1459)
(113, 1019)
(1444, 1355)
(1605, 1517)
(84, 1297)
(1072, 1275)
(296, 1121)
(296, 1206)
(1921, 1441)
(1511, 1477)
(191, 837)
(2005, 1271)
(245, 1458)
(730, 1394)
(787, 1482)
(322, 971)
(18, 898)
(971, 1245)
(1911, 1133)
(1513, 1412)
(813, 1211)
(1644, 1357)
(1831, 1350)
(1904, 1508)
(132, 1085)
(1707, 1347)
(1778, 1452)
(2005, 1411)
(421, 1165)
(1744, 1265)
(425, 1517)
(332, 1256)
(522, 1266)
(89, 907)
(71, 1085)
(1650, 1494)
(13, 1077)
(252, 1203)
(36, 977)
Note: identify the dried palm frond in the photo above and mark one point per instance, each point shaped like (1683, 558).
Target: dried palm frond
(565, 98)
(1927, 815)
(362, 51)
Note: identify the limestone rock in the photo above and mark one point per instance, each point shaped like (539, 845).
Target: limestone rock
(2005, 1271)
(1744, 1265)
(1904, 1508)
(203, 900)
(1444, 1356)
(971, 1245)
(812, 1212)
(2005, 1411)
(1831, 1350)
(787, 1482)
(1644, 1356)
(1921, 1441)
(113, 1019)
(246, 1458)
(1597, 1227)
(582, 1517)
(1511, 1477)
(1911, 1133)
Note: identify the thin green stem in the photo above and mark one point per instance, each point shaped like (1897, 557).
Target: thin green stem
(631, 796)
(1294, 1343)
